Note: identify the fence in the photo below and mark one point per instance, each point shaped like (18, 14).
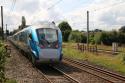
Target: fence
(83, 47)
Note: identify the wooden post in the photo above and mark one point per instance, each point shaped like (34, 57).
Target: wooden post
(2, 22)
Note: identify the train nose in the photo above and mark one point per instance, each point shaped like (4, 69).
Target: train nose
(50, 55)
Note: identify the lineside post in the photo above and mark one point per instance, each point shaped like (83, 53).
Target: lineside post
(87, 30)
(2, 22)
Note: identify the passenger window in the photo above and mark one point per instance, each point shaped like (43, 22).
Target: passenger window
(30, 36)
(23, 37)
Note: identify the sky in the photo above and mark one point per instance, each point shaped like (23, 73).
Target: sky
(103, 14)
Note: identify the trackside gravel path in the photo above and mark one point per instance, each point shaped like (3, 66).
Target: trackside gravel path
(19, 68)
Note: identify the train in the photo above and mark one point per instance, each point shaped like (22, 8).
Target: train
(42, 43)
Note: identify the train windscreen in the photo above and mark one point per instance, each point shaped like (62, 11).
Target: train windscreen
(48, 38)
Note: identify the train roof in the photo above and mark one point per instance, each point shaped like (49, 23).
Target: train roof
(38, 26)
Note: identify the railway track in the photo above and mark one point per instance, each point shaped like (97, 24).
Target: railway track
(101, 73)
(54, 75)
(64, 78)
(45, 77)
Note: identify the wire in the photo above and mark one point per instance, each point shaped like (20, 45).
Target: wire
(12, 7)
(112, 5)
(54, 4)
(49, 8)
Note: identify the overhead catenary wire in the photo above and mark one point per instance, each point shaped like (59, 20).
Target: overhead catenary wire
(112, 5)
(106, 7)
(12, 7)
(54, 4)
(49, 8)
(11, 12)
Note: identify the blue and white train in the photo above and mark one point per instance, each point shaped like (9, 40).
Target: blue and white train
(42, 43)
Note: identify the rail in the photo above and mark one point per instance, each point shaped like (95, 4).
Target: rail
(81, 65)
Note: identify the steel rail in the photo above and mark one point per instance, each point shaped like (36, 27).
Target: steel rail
(81, 68)
(109, 73)
(66, 75)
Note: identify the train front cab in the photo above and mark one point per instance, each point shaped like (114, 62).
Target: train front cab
(46, 44)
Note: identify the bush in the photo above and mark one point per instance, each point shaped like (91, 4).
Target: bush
(97, 38)
(11, 81)
(108, 38)
(123, 55)
(3, 55)
(2, 62)
(101, 37)
(77, 36)
(84, 39)
(91, 39)
(121, 38)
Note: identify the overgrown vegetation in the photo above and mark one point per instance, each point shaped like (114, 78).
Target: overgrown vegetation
(3, 55)
(77, 36)
(108, 38)
(96, 37)
(11, 81)
(2, 62)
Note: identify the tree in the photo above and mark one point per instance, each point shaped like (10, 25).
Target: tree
(97, 30)
(66, 30)
(7, 32)
(76, 36)
(122, 29)
(97, 38)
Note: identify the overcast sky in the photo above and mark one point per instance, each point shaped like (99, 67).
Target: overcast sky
(104, 14)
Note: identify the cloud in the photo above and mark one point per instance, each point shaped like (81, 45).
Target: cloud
(106, 15)
(103, 14)
(33, 10)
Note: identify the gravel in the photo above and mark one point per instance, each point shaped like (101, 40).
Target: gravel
(18, 67)
(80, 75)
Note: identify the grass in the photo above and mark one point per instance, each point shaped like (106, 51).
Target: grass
(11, 81)
(104, 47)
(3, 57)
(115, 62)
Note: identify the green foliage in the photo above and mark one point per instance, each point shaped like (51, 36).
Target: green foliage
(2, 62)
(66, 30)
(11, 81)
(122, 29)
(101, 37)
(108, 38)
(97, 38)
(84, 38)
(123, 57)
(91, 39)
(77, 36)
(121, 38)
(3, 55)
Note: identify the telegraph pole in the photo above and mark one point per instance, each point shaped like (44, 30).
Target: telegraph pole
(6, 32)
(87, 30)
(2, 22)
